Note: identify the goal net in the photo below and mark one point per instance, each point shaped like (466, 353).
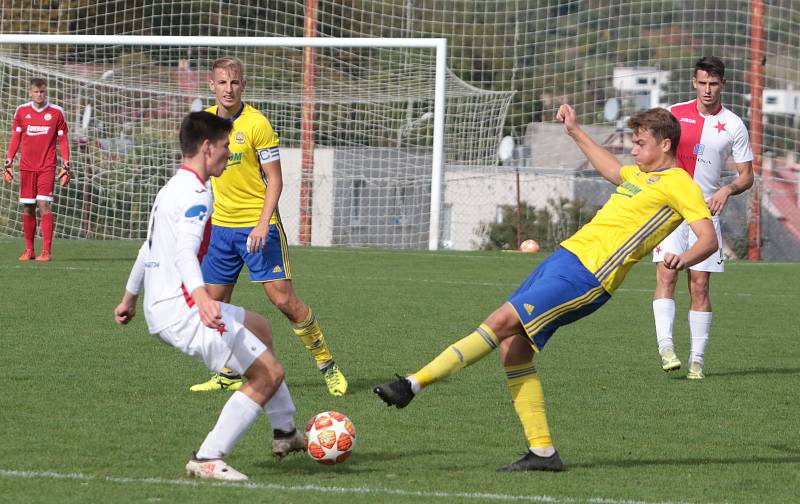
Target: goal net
(373, 129)
(512, 62)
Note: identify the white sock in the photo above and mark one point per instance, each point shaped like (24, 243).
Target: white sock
(236, 418)
(699, 327)
(664, 315)
(415, 386)
(280, 409)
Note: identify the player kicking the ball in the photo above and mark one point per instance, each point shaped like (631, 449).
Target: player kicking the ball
(650, 201)
(180, 310)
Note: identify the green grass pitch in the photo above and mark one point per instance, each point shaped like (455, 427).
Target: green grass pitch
(94, 412)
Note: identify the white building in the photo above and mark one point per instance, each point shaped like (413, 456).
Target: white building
(643, 84)
(781, 101)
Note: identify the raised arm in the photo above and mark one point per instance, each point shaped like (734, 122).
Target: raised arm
(603, 161)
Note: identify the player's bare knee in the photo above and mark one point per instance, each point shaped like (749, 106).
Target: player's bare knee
(665, 277)
(292, 307)
(516, 350)
(265, 374)
(699, 295)
(504, 322)
(277, 375)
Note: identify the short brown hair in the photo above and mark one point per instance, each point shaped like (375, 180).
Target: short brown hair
(660, 123)
(199, 126)
(38, 82)
(229, 63)
(711, 65)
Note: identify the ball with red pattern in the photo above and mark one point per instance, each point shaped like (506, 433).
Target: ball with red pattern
(330, 437)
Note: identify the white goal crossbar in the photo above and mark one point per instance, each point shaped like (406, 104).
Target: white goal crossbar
(439, 44)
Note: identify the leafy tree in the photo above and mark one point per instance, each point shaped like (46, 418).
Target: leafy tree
(549, 226)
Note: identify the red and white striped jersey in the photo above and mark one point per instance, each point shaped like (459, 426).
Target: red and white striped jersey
(36, 132)
(707, 141)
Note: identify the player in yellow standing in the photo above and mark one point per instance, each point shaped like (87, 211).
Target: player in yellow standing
(651, 200)
(246, 226)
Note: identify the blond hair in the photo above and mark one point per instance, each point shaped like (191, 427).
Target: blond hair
(231, 64)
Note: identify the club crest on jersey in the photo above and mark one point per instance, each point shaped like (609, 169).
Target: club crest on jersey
(698, 149)
(198, 212)
(239, 138)
(47, 117)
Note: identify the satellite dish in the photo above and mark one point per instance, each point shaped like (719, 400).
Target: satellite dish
(611, 110)
(505, 150)
(87, 117)
(197, 105)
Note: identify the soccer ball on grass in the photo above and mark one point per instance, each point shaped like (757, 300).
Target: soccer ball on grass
(330, 437)
(529, 246)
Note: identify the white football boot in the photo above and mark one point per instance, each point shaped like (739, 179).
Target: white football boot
(213, 469)
(695, 371)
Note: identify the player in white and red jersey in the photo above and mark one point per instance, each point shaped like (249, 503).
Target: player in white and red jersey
(710, 134)
(38, 127)
(178, 307)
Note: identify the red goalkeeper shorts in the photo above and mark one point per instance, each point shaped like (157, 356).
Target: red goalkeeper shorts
(36, 186)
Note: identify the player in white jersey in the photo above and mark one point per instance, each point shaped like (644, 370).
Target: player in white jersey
(179, 309)
(710, 134)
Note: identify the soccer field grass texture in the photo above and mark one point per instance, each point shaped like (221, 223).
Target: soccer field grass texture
(94, 412)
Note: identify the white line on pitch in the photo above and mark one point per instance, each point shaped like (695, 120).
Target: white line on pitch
(9, 473)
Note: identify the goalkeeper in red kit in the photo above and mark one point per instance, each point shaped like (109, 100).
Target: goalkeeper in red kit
(38, 127)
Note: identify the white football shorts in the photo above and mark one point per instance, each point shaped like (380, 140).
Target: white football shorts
(235, 348)
(683, 238)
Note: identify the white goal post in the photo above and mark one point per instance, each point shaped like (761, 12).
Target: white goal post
(16, 59)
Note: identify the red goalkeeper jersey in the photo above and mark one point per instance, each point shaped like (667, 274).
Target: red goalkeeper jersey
(37, 131)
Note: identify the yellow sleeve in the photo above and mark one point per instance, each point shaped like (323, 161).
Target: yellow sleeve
(264, 137)
(628, 172)
(687, 199)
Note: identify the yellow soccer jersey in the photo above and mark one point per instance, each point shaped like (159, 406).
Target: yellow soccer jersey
(239, 191)
(644, 210)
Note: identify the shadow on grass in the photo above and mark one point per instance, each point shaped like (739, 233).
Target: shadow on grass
(300, 463)
(355, 383)
(756, 371)
(738, 372)
(682, 462)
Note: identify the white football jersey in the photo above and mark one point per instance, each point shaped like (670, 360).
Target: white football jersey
(708, 141)
(167, 263)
